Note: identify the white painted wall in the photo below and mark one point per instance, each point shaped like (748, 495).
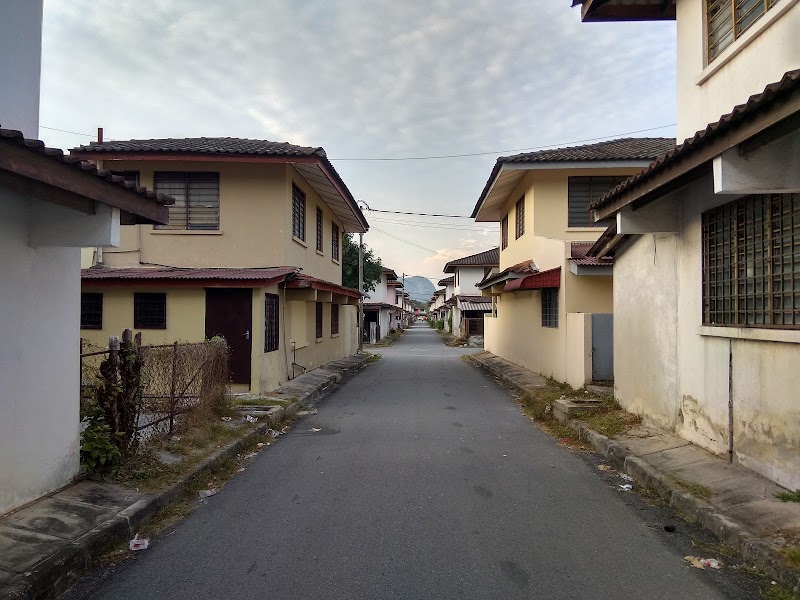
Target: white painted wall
(20, 65)
(466, 280)
(39, 360)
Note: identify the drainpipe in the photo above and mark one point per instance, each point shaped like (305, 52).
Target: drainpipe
(730, 401)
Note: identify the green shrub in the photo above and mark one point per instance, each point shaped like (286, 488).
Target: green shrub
(99, 453)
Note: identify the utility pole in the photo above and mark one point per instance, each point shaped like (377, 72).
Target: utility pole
(361, 289)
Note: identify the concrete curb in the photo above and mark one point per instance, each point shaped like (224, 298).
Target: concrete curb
(54, 575)
(761, 554)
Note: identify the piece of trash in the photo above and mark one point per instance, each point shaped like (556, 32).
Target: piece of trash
(315, 429)
(272, 433)
(625, 487)
(565, 440)
(309, 411)
(702, 563)
(206, 493)
(626, 477)
(242, 470)
(250, 455)
(260, 444)
(563, 397)
(604, 468)
(250, 418)
(225, 418)
(711, 563)
(669, 528)
(138, 543)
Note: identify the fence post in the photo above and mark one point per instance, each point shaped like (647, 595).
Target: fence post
(172, 388)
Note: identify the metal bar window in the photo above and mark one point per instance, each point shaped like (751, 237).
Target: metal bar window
(504, 232)
(319, 229)
(150, 310)
(549, 307)
(334, 319)
(271, 323)
(751, 263)
(319, 320)
(196, 199)
(335, 241)
(298, 213)
(727, 20)
(520, 217)
(91, 310)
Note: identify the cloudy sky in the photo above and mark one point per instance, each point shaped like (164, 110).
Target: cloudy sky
(368, 81)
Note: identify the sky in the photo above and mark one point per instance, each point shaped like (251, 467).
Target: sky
(379, 84)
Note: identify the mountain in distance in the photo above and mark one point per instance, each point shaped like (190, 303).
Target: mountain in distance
(419, 288)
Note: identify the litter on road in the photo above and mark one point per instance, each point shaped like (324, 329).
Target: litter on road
(250, 418)
(626, 477)
(315, 429)
(702, 563)
(138, 543)
(206, 493)
(226, 418)
(625, 487)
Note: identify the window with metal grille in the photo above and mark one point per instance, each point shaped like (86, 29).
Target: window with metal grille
(271, 323)
(727, 20)
(751, 263)
(319, 229)
(334, 319)
(319, 320)
(549, 307)
(298, 213)
(335, 241)
(196, 199)
(520, 217)
(149, 310)
(504, 232)
(91, 310)
(581, 191)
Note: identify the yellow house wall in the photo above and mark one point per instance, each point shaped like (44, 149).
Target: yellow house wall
(770, 54)
(518, 250)
(268, 369)
(329, 347)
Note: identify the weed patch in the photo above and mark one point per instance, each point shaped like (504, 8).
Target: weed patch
(789, 496)
(695, 489)
(793, 555)
(264, 402)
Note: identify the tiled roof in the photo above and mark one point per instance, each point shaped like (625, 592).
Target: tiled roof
(578, 256)
(714, 131)
(99, 272)
(15, 138)
(446, 280)
(511, 272)
(300, 281)
(487, 258)
(205, 145)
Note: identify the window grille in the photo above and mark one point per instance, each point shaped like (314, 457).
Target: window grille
(334, 319)
(520, 217)
(149, 310)
(335, 241)
(271, 323)
(581, 191)
(751, 263)
(504, 232)
(727, 20)
(196, 199)
(319, 320)
(298, 213)
(91, 310)
(549, 307)
(319, 229)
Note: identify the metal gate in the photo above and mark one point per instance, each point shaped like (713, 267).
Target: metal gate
(602, 347)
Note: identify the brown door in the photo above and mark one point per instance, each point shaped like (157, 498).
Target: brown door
(229, 313)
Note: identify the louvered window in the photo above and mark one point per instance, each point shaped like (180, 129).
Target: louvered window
(520, 216)
(582, 191)
(196, 199)
(298, 213)
(727, 20)
(335, 241)
(319, 229)
(334, 319)
(319, 320)
(150, 310)
(91, 310)
(504, 232)
(751, 263)
(271, 323)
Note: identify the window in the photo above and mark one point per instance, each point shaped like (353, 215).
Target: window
(504, 232)
(549, 307)
(150, 311)
(319, 229)
(128, 176)
(520, 217)
(751, 263)
(335, 241)
(581, 191)
(91, 311)
(319, 320)
(271, 323)
(298, 213)
(334, 319)
(196, 199)
(727, 20)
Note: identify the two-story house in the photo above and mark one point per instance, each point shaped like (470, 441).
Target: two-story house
(436, 304)
(381, 307)
(447, 301)
(468, 304)
(252, 252)
(551, 305)
(706, 241)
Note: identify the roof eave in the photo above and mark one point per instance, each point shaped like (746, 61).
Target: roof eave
(606, 10)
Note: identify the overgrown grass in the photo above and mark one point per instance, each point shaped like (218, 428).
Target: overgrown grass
(792, 554)
(695, 489)
(538, 405)
(611, 419)
(264, 402)
(777, 592)
(789, 496)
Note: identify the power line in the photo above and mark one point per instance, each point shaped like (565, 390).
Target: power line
(440, 156)
(441, 226)
(66, 131)
(399, 212)
(403, 240)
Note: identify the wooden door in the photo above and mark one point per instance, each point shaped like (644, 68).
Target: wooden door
(229, 313)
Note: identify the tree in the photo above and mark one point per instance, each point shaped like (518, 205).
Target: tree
(372, 265)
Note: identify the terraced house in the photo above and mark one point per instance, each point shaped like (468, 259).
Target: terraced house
(251, 252)
(551, 304)
(706, 241)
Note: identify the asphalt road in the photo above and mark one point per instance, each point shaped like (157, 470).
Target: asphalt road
(425, 481)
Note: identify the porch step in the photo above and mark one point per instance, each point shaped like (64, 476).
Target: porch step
(564, 409)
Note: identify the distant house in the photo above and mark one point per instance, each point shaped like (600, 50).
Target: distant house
(468, 306)
(706, 241)
(251, 252)
(381, 308)
(445, 310)
(551, 304)
(435, 308)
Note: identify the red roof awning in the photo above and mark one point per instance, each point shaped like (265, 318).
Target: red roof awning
(537, 281)
(304, 282)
